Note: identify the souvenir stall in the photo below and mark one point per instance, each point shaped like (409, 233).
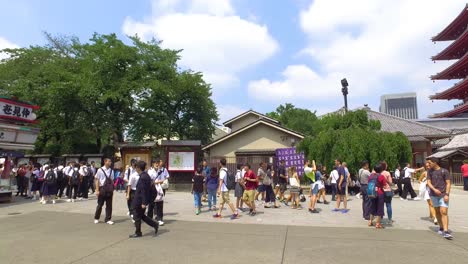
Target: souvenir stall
(17, 135)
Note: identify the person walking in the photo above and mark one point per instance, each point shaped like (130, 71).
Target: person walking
(424, 192)
(399, 179)
(50, 185)
(84, 182)
(388, 193)
(464, 170)
(223, 191)
(198, 181)
(295, 188)
(162, 177)
(36, 182)
(206, 173)
(439, 182)
(131, 189)
(261, 174)
(74, 183)
(270, 199)
(363, 176)
(408, 187)
(239, 190)
(104, 191)
(341, 188)
(92, 168)
(153, 173)
(251, 182)
(334, 176)
(127, 175)
(377, 203)
(143, 194)
(212, 183)
(315, 188)
(282, 180)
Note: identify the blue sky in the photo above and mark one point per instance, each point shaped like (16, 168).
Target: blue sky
(258, 54)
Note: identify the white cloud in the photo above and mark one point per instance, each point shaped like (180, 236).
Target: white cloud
(214, 40)
(5, 44)
(227, 112)
(380, 47)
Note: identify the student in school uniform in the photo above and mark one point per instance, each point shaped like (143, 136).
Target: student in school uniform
(61, 181)
(131, 189)
(153, 173)
(161, 177)
(49, 185)
(67, 173)
(104, 191)
(127, 174)
(73, 183)
(84, 175)
(143, 195)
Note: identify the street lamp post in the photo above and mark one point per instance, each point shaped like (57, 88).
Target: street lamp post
(344, 90)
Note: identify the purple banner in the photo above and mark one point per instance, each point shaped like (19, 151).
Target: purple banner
(291, 158)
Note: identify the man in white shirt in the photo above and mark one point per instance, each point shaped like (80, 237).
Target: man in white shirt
(131, 189)
(399, 180)
(67, 173)
(334, 179)
(84, 181)
(104, 191)
(153, 173)
(223, 191)
(131, 171)
(408, 187)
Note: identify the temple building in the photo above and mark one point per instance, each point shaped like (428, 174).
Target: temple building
(458, 33)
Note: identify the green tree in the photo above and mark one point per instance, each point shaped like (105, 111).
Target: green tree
(297, 119)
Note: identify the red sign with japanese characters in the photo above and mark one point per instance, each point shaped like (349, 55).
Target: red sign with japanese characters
(17, 111)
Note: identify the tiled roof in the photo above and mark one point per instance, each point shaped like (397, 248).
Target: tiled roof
(408, 127)
(458, 142)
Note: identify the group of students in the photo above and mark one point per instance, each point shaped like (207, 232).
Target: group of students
(49, 182)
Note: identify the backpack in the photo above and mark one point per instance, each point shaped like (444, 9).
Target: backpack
(108, 187)
(372, 186)
(230, 181)
(75, 178)
(50, 177)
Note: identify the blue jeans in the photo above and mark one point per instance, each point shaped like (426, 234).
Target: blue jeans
(334, 187)
(388, 204)
(212, 197)
(197, 198)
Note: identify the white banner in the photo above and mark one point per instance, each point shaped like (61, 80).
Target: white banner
(19, 112)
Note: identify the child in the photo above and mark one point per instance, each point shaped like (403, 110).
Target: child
(119, 183)
(197, 189)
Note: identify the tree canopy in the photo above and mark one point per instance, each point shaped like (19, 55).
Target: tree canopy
(351, 137)
(95, 93)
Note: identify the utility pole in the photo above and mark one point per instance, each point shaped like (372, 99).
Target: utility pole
(344, 90)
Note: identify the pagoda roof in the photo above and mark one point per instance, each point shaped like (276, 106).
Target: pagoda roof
(454, 29)
(458, 91)
(456, 50)
(458, 70)
(454, 112)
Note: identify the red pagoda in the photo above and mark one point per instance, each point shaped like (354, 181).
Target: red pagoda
(457, 32)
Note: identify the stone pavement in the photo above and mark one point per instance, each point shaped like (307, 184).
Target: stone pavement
(64, 233)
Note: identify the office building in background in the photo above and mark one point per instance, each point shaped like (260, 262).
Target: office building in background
(401, 105)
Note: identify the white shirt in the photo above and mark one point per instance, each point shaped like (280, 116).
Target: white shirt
(334, 176)
(238, 176)
(153, 173)
(83, 171)
(102, 177)
(408, 172)
(223, 177)
(397, 173)
(127, 175)
(68, 171)
(134, 177)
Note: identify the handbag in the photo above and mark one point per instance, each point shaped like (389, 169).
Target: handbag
(293, 182)
(165, 184)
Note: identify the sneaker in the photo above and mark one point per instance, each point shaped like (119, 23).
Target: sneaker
(234, 216)
(53, 201)
(43, 202)
(109, 222)
(417, 199)
(96, 221)
(447, 236)
(128, 213)
(80, 199)
(336, 210)
(253, 213)
(344, 211)
(161, 223)
(315, 211)
(326, 202)
(217, 216)
(401, 199)
(197, 212)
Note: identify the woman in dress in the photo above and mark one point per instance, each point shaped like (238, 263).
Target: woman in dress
(294, 190)
(424, 193)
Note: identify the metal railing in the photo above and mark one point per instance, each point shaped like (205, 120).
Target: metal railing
(457, 179)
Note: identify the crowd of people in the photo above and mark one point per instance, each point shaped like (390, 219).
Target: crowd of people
(145, 188)
(376, 186)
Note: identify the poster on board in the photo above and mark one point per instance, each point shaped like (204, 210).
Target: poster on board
(291, 158)
(181, 161)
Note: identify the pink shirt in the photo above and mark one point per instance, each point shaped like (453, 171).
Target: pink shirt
(388, 178)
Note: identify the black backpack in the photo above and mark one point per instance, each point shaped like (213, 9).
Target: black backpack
(75, 179)
(230, 181)
(51, 177)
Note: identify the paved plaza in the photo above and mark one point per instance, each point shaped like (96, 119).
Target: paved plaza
(64, 233)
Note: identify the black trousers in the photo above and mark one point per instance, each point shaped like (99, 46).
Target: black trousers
(20, 184)
(159, 210)
(73, 191)
(138, 216)
(366, 202)
(61, 184)
(150, 212)
(130, 201)
(408, 188)
(100, 203)
(84, 188)
(465, 183)
(91, 184)
(400, 188)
